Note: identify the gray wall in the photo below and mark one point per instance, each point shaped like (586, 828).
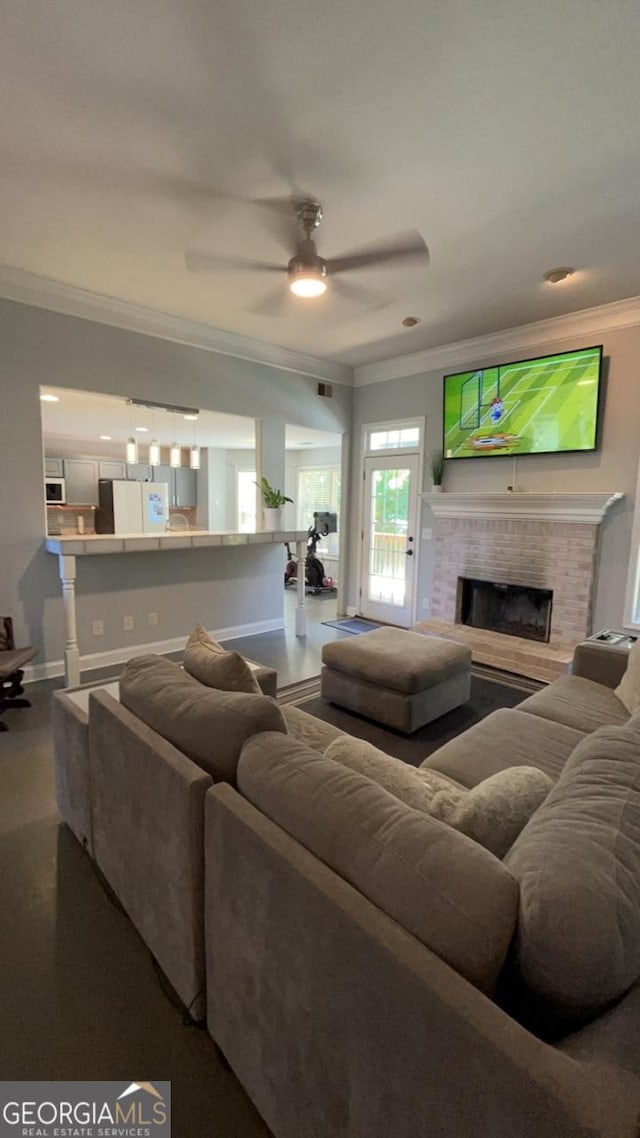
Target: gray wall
(613, 467)
(40, 347)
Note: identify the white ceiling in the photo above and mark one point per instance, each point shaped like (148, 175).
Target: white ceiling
(507, 133)
(81, 417)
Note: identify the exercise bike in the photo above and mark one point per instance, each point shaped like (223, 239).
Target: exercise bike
(316, 581)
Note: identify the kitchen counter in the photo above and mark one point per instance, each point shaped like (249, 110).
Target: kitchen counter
(91, 544)
(67, 549)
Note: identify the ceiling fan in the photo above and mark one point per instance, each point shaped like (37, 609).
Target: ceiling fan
(307, 272)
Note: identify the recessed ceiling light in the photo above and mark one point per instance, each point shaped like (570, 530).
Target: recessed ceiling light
(50, 398)
(555, 276)
(106, 438)
(143, 430)
(410, 321)
(191, 418)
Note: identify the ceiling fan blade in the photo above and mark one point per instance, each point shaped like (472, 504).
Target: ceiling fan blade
(281, 220)
(198, 262)
(402, 247)
(274, 304)
(364, 296)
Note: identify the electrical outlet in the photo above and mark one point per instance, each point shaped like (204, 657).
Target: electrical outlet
(426, 604)
(152, 619)
(98, 628)
(128, 623)
(427, 534)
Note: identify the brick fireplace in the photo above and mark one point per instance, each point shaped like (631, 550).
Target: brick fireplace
(537, 541)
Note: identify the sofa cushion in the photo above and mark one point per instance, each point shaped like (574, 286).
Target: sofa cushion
(207, 725)
(394, 658)
(577, 702)
(628, 690)
(446, 890)
(578, 865)
(506, 738)
(208, 662)
(493, 813)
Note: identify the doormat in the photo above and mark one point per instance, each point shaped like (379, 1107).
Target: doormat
(354, 625)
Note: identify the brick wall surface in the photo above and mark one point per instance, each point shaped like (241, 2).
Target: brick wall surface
(560, 556)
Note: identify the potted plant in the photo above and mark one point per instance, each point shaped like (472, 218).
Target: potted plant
(437, 470)
(274, 500)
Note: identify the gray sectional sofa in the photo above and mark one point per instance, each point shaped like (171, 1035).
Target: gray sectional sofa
(367, 969)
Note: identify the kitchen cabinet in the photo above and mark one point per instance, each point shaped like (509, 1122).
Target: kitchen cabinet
(112, 468)
(81, 481)
(53, 467)
(138, 472)
(182, 483)
(186, 482)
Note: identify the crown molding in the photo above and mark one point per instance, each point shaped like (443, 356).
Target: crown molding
(586, 322)
(56, 296)
(555, 507)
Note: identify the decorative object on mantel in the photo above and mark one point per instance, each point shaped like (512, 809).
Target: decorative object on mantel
(437, 471)
(274, 500)
(560, 507)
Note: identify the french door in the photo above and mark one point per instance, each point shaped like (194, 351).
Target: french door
(389, 538)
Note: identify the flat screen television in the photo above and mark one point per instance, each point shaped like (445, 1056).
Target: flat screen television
(539, 406)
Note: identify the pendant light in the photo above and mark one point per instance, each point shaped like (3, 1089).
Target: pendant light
(154, 448)
(175, 457)
(132, 442)
(194, 453)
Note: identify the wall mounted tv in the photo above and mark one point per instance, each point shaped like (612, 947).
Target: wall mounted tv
(539, 406)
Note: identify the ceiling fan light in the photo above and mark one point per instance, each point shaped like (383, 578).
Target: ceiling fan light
(154, 453)
(175, 457)
(307, 279)
(132, 450)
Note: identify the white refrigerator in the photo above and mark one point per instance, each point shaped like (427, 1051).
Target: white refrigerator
(132, 507)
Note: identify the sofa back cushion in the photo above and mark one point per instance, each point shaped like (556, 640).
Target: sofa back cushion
(493, 813)
(207, 725)
(208, 662)
(578, 865)
(446, 890)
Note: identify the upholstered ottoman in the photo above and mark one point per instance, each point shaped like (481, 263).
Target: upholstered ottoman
(398, 678)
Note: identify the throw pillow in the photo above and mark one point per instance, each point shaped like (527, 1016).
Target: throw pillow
(208, 662)
(416, 788)
(628, 690)
(492, 813)
(495, 811)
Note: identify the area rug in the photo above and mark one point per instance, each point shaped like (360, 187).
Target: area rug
(489, 691)
(354, 625)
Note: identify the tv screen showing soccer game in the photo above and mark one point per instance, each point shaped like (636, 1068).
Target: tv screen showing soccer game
(538, 406)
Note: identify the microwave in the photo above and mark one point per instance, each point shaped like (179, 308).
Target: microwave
(54, 489)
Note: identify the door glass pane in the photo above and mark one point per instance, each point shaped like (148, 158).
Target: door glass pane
(394, 437)
(389, 521)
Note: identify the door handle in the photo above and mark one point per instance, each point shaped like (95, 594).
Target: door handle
(409, 552)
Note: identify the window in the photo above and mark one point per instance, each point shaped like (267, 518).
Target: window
(632, 600)
(398, 437)
(246, 499)
(319, 489)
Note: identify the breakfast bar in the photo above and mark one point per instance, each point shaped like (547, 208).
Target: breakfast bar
(68, 549)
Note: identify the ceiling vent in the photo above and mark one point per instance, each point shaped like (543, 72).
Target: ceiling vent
(325, 389)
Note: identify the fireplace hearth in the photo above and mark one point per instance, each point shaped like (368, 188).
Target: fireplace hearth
(516, 610)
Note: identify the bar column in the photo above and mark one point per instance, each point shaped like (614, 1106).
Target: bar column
(67, 571)
(301, 612)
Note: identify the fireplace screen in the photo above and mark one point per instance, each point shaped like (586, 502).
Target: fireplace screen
(516, 610)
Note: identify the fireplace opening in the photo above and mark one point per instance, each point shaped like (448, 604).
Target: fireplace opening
(516, 610)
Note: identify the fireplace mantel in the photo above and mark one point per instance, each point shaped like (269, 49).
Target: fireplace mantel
(558, 507)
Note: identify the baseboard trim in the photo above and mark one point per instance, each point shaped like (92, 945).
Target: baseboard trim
(52, 669)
